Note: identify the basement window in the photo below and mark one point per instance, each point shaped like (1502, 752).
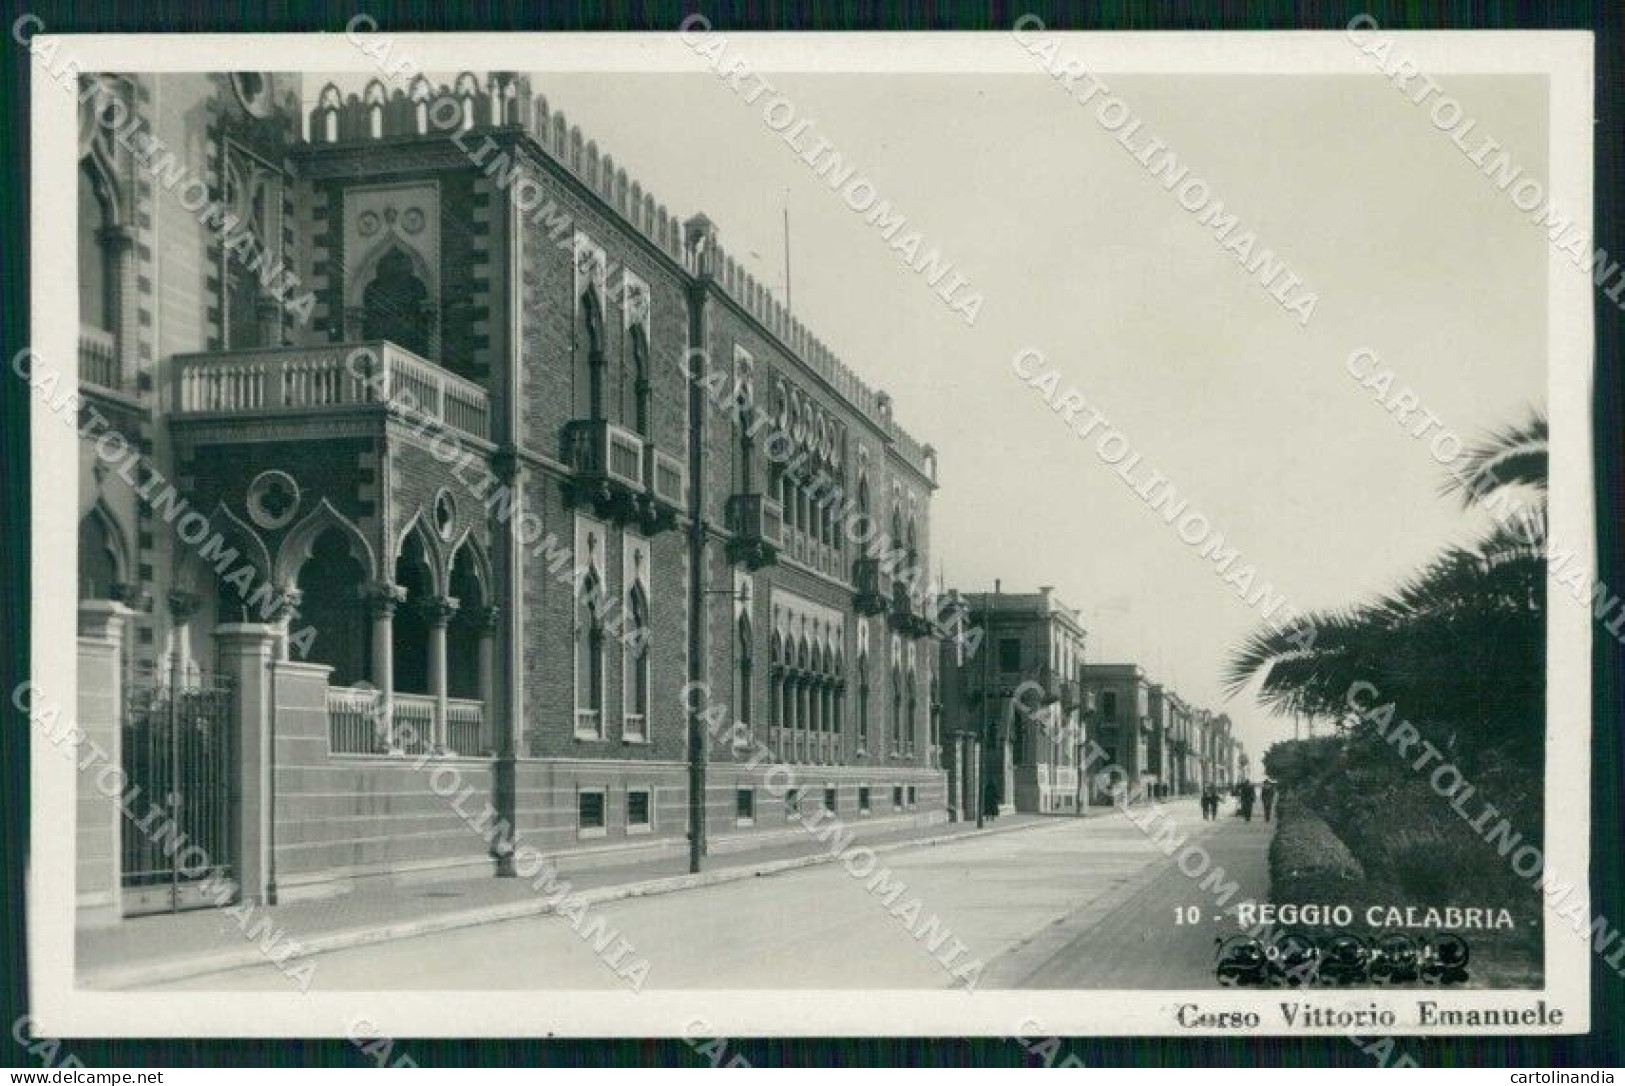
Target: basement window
(590, 813)
(639, 810)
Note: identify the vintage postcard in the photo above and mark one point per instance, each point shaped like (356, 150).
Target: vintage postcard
(716, 535)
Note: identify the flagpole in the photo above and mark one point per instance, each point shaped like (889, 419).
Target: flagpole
(788, 301)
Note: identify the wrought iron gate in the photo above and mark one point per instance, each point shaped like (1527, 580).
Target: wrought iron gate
(180, 820)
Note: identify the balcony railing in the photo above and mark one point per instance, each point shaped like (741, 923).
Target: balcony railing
(98, 359)
(296, 379)
(757, 524)
(600, 451)
(358, 722)
(667, 478)
(871, 586)
(465, 726)
(908, 615)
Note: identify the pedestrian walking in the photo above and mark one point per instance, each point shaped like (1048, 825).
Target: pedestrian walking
(1246, 796)
(1267, 794)
(1210, 803)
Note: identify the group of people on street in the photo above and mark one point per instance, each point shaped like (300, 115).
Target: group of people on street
(1246, 796)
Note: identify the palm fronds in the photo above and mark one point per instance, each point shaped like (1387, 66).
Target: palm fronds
(1514, 456)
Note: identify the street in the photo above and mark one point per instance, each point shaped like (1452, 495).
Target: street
(1080, 903)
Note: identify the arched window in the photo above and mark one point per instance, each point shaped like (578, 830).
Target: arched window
(636, 723)
(913, 718)
(98, 267)
(463, 640)
(896, 708)
(413, 572)
(863, 701)
(395, 305)
(743, 690)
(589, 640)
(936, 715)
(775, 704)
(101, 557)
(590, 356)
(639, 414)
(329, 582)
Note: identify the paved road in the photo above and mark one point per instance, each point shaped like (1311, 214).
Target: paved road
(1075, 903)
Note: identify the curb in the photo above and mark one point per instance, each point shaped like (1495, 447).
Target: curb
(121, 977)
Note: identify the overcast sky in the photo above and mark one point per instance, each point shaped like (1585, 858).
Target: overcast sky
(1082, 255)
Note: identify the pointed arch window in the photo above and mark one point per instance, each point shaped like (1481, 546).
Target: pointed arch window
(590, 368)
(395, 305)
(635, 724)
(639, 415)
(589, 644)
(896, 721)
(863, 702)
(912, 709)
(98, 263)
(103, 558)
(744, 690)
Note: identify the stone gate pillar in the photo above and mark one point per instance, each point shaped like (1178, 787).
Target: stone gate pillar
(98, 818)
(244, 652)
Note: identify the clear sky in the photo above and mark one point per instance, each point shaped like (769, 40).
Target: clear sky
(1082, 255)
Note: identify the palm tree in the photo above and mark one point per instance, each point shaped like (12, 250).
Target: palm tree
(1459, 648)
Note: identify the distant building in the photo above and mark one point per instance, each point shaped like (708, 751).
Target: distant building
(1013, 710)
(1121, 694)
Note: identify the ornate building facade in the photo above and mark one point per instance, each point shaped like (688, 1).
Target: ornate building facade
(511, 468)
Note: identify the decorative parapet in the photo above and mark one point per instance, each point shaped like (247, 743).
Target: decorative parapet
(504, 101)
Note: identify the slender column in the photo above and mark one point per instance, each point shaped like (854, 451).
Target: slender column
(182, 606)
(439, 612)
(382, 598)
(283, 612)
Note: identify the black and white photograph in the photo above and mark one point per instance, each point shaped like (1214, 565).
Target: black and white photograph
(719, 535)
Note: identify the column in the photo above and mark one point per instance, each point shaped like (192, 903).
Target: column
(283, 611)
(382, 598)
(244, 652)
(100, 758)
(182, 606)
(439, 612)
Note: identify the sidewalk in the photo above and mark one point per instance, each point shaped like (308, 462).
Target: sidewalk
(154, 949)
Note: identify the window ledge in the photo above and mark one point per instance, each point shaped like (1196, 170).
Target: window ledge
(744, 822)
(634, 830)
(591, 831)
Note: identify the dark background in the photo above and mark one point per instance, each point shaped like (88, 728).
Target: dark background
(1605, 1046)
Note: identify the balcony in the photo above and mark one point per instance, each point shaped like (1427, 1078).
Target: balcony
(757, 524)
(315, 380)
(622, 476)
(871, 587)
(667, 477)
(98, 359)
(907, 615)
(608, 462)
